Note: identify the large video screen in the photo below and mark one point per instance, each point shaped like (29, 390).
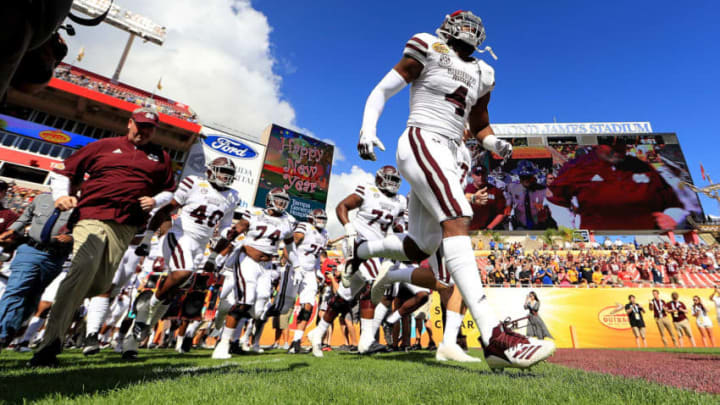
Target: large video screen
(622, 183)
(299, 164)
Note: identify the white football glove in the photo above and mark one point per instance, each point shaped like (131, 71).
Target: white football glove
(504, 149)
(367, 143)
(350, 236)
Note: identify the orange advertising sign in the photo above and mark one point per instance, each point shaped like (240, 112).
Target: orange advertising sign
(54, 136)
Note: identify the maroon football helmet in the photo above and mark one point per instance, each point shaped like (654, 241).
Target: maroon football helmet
(388, 179)
(221, 172)
(277, 199)
(318, 218)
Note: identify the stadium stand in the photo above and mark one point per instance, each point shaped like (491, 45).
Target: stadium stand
(123, 91)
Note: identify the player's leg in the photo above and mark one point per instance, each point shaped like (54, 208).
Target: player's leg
(308, 291)
(246, 273)
(179, 252)
(435, 181)
(99, 307)
(338, 304)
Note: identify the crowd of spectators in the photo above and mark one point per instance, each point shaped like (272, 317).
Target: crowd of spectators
(18, 198)
(65, 72)
(591, 266)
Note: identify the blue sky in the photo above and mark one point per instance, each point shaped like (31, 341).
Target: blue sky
(574, 61)
(311, 65)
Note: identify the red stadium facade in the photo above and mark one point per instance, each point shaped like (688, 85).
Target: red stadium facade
(76, 108)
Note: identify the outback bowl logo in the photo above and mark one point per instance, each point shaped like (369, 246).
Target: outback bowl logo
(617, 320)
(54, 136)
(230, 147)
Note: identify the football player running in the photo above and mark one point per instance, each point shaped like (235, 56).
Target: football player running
(378, 205)
(251, 262)
(310, 239)
(449, 87)
(207, 202)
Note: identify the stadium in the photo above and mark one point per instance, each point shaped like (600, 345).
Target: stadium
(151, 252)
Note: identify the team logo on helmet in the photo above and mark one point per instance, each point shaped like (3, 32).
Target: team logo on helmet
(277, 199)
(221, 172)
(463, 26)
(318, 218)
(388, 179)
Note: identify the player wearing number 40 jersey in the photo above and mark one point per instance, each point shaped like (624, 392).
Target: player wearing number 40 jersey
(449, 89)
(207, 203)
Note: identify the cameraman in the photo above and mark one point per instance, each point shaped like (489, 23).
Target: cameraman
(29, 47)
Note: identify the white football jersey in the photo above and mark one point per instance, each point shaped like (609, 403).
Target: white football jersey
(377, 213)
(267, 231)
(309, 249)
(203, 208)
(448, 87)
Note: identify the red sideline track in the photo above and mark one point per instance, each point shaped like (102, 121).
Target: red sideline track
(699, 372)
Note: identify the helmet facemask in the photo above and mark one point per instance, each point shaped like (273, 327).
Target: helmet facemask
(388, 182)
(222, 173)
(463, 26)
(278, 201)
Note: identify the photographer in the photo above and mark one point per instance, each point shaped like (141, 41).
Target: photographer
(635, 316)
(30, 48)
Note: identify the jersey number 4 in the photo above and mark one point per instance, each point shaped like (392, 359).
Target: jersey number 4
(200, 215)
(458, 97)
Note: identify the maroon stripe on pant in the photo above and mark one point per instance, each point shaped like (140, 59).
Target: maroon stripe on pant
(181, 254)
(374, 265)
(172, 244)
(369, 268)
(239, 277)
(428, 176)
(443, 179)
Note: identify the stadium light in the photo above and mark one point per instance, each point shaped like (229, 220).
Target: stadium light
(126, 20)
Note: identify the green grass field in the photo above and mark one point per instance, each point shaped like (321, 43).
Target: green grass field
(162, 376)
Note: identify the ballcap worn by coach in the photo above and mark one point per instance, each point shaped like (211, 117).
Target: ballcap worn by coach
(145, 116)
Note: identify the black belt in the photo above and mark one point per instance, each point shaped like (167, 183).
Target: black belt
(49, 247)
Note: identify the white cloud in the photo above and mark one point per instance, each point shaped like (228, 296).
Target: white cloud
(216, 58)
(341, 185)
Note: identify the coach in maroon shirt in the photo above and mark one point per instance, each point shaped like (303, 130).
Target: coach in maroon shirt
(116, 177)
(7, 216)
(490, 214)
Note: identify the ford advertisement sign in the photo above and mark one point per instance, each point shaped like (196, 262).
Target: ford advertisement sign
(230, 147)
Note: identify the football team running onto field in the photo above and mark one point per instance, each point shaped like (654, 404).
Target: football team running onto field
(383, 244)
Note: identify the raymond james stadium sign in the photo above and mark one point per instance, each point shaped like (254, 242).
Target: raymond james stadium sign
(230, 147)
(577, 128)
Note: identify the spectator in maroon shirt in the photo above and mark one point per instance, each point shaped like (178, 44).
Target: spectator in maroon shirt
(7, 216)
(490, 214)
(678, 312)
(658, 306)
(122, 173)
(672, 271)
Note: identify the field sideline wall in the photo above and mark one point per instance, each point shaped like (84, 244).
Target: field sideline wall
(587, 310)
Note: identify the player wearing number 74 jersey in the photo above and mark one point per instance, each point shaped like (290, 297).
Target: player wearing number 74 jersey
(449, 89)
(207, 202)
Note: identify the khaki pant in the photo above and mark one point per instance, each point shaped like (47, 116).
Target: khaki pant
(683, 328)
(98, 248)
(667, 324)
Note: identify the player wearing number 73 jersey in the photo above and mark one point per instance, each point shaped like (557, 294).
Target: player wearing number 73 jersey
(207, 203)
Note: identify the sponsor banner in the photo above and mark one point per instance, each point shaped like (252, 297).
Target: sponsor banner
(622, 183)
(246, 155)
(573, 128)
(299, 164)
(42, 132)
(589, 317)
